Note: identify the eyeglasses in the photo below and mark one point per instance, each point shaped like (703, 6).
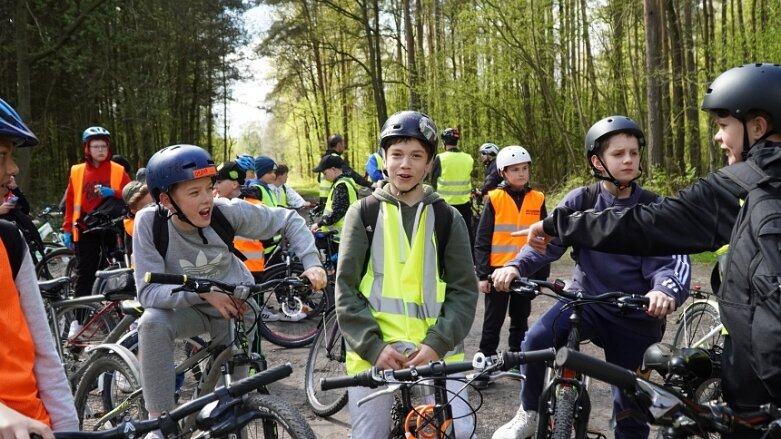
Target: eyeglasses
(98, 147)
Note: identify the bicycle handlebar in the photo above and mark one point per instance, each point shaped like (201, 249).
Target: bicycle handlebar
(233, 391)
(668, 405)
(532, 288)
(375, 377)
(203, 285)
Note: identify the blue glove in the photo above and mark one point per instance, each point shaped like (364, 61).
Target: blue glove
(106, 191)
(67, 240)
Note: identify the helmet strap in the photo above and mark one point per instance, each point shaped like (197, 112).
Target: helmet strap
(609, 177)
(182, 217)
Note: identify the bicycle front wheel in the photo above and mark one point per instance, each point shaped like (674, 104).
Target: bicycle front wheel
(290, 317)
(326, 359)
(278, 419)
(700, 326)
(107, 392)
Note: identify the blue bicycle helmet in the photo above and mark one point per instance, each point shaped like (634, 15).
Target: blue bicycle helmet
(13, 129)
(95, 132)
(410, 124)
(177, 163)
(246, 162)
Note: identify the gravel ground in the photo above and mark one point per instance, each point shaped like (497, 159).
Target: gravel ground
(500, 400)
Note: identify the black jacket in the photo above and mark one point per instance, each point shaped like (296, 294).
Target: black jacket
(492, 177)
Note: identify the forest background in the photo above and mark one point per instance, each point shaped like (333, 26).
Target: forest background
(532, 72)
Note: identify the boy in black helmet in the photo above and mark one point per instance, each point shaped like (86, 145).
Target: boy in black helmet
(745, 103)
(410, 266)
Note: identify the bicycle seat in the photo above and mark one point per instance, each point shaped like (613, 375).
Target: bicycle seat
(54, 289)
(119, 284)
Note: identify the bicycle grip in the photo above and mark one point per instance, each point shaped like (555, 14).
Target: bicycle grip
(251, 383)
(513, 359)
(165, 278)
(610, 373)
(363, 379)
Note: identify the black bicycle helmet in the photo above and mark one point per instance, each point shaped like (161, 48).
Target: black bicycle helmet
(741, 90)
(410, 124)
(13, 128)
(177, 163)
(450, 136)
(602, 130)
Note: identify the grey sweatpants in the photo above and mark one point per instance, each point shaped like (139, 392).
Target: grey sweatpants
(158, 329)
(372, 419)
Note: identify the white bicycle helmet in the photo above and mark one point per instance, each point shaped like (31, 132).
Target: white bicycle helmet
(512, 155)
(489, 149)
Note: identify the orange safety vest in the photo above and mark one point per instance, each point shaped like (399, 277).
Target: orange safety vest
(129, 224)
(76, 182)
(508, 219)
(251, 248)
(17, 350)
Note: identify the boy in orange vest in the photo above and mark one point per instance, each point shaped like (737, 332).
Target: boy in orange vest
(510, 207)
(88, 184)
(34, 396)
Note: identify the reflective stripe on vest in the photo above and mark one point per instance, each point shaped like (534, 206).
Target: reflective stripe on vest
(329, 204)
(17, 350)
(508, 219)
(380, 163)
(77, 183)
(402, 283)
(251, 248)
(455, 181)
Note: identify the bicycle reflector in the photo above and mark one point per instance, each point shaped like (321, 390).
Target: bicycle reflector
(420, 424)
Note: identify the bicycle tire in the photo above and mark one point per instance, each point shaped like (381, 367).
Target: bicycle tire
(698, 320)
(281, 420)
(90, 399)
(290, 334)
(56, 263)
(564, 412)
(326, 359)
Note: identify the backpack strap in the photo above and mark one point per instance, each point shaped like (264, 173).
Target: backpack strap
(590, 196)
(647, 197)
(14, 245)
(219, 223)
(747, 175)
(443, 221)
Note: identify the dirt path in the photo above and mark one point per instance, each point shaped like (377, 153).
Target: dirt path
(500, 401)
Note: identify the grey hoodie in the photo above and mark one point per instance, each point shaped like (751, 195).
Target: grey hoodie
(360, 329)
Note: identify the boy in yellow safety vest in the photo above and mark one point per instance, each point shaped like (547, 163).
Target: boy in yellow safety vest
(398, 305)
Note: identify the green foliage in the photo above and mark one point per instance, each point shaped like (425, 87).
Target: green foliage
(666, 183)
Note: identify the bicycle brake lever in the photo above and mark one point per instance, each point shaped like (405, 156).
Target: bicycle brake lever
(388, 391)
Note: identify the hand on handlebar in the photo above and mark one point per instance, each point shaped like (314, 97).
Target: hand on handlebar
(14, 424)
(659, 304)
(224, 303)
(538, 239)
(316, 276)
(484, 286)
(502, 278)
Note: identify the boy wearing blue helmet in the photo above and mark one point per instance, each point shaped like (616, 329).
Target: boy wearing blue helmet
(34, 397)
(181, 180)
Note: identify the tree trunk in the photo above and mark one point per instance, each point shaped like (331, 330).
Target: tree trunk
(412, 72)
(677, 164)
(653, 26)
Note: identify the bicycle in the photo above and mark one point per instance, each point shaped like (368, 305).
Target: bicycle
(229, 411)
(664, 406)
(296, 312)
(565, 405)
(97, 410)
(699, 322)
(433, 420)
(327, 352)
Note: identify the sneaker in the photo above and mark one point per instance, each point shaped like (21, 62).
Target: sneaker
(294, 318)
(522, 426)
(122, 383)
(74, 329)
(268, 315)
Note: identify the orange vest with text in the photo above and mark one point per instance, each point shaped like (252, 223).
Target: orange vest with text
(19, 390)
(251, 248)
(77, 179)
(508, 218)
